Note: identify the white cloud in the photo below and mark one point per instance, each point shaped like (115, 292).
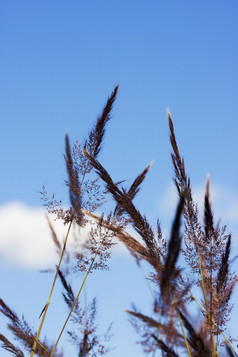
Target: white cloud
(25, 237)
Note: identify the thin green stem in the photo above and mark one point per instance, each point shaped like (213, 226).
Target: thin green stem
(51, 292)
(181, 324)
(57, 272)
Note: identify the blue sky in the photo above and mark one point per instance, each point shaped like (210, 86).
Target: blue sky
(59, 62)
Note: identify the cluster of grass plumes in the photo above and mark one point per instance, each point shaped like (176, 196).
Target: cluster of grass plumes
(204, 246)
(84, 193)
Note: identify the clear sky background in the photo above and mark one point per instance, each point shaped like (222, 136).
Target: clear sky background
(59, 62)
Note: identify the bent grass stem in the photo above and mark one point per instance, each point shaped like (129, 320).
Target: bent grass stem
(51, 292)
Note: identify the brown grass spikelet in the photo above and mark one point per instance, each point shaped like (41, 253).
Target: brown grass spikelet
(23, 333)
(169, 269)
(68, 294)
(134, 189)
(93, 144)
(208, 216)
(222, 276)
(54, 235)
(73, 184)
(146, 319)
(169, 352)
(166, 329)
(181, 180)
(8, 346)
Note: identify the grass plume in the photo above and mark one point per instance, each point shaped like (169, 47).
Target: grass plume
(202, 245)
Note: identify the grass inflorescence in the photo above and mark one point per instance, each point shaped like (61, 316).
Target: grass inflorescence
(204, 246)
